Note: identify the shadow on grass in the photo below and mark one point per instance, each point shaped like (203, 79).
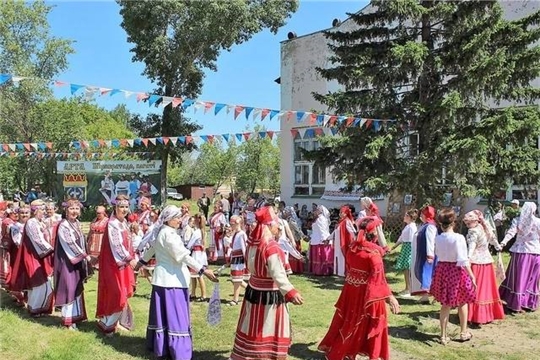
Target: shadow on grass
(302, 351)
(210, 355)
(325, 282)
(410, 332)
(428, 313)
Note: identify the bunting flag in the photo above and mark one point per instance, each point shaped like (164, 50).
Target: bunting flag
(213, 107)
(72, 155)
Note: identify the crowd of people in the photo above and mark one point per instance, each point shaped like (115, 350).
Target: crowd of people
(46, 260)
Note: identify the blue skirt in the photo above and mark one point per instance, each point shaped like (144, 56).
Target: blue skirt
(169, 332)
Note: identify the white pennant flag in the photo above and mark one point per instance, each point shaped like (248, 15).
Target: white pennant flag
(230, 107)
(127, 93)
(34, 145)
(108, 143)
(198, 105)
(17, 79)
(301, 131)
(326, 119)
(130, 142)
(12, 147)
(152, 140)
(362, 122)
(256, 113)
(166, 100)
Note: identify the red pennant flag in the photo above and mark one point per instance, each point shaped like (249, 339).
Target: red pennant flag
(264, 112)
(246, 136)
(27, 146)
(210, 138)
(176, 101)
(270, 134)
(165, 140)
(145, 142)
(368, 123)
(208, 106)
(104, 91)
(49, 145)
(332, 120)
(141, 96)
(350, 120)
(5, 147)
(312, 119)
(123, 142)
(319, 131)
(294, 132)
(189, 139)
(59, 83)
(289, 115)
(237, 110)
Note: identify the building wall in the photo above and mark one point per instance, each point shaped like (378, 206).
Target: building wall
(299, 79)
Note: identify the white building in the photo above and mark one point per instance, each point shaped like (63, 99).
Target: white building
(302, 182)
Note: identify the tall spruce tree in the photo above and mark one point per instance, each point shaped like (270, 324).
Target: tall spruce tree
(456, 76)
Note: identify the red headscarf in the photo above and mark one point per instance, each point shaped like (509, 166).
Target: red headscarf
(429, 213)
(367, 225)
(345, 209)
(263, 217)
(3, 205)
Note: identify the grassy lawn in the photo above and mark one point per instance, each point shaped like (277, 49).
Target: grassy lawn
(413, 333)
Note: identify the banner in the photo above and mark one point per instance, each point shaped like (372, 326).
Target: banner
(99, 182)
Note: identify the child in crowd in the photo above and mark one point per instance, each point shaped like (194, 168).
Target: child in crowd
(404, 259)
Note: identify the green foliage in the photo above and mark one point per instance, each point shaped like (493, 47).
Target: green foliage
(455, 73)
(216, 163)
(258, 166)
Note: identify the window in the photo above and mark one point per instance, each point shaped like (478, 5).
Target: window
(309, 179)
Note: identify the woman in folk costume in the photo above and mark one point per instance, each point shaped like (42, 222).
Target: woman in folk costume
(72, 266)
(487, 306)
(98, 227)
(321, 254)
(294, 223)
(369, 208)
(116, 280)
(263, 330)
(143, 215)
(184, 222)
(197, 245)
(403, 262)
(423, 254)
(343, 235)
(286, 241)
(8, 249)
(32, 268)
(360, 325)
(168, 333)
(51, 219)
(454, 284)
(16, 231)
(217, 230)
(520, 290)
(239, 273)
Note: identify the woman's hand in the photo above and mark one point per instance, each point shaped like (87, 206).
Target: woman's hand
(210, 275)
(133, 263)
(473, 279)
(394, 305)
(297, 299)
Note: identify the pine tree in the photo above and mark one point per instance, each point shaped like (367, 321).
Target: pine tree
(458, 75)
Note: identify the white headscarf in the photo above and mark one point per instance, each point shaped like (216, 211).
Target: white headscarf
(526, 218)
(324, 211)
(169, 213)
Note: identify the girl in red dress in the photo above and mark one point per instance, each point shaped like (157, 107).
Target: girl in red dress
(360, 325)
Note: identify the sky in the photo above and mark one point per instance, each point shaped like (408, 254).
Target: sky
(245, 75)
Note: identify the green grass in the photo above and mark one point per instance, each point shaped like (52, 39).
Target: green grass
(413, 333)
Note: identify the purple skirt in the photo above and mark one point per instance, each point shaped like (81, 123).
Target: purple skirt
(520, 290)
(169, 332)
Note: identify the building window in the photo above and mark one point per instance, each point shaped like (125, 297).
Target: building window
(309, 179)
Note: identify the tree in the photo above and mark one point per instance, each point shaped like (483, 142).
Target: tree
(178, 40)
(216, 163)
(453, 73)
(258, 166)
(27, 49)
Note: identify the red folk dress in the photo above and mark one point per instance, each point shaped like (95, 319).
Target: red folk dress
(360, 325)
(116, 281)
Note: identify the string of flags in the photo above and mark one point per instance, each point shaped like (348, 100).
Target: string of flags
(72, 155)
(146, 142)
(256, 113)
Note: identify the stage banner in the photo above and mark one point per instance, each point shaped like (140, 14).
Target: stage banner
(99, 182)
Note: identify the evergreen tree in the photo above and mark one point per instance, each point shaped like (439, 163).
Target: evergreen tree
(456, 76)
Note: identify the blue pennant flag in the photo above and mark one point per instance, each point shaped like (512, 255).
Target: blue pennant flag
(76, 144)
(309, 134)
(74, 88)
(182, 139)
(94, 143)
(19, 146)
(187, 103)
(357, 121)
(248, 111)
(334, 130)
(4, 78)
(300, 115)
(225, 136)
(238, 137)
(159, 140)
(115, 143)
(115, 91)
(152, 99)
(137, 141)
(320, 119)
(273, 113)
(42, 146)
(218, 107)
(262, 134)
(204, 138)
(376, 125)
